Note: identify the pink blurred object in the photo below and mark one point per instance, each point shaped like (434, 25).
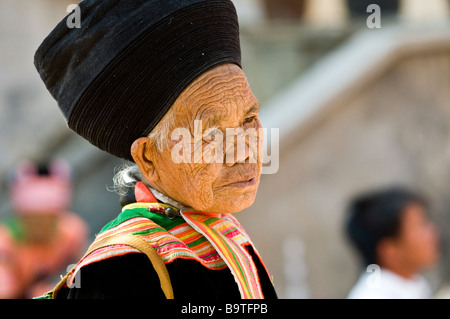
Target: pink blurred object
(32, 193)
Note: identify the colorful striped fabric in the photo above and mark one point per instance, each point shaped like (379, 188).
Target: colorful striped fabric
(179, 240)
(226, 237)
(217, 241)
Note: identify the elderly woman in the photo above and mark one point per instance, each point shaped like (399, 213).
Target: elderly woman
(134, 73)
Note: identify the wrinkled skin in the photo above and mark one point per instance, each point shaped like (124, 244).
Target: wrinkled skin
(221, 98)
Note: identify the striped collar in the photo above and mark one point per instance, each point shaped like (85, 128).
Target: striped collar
(222, 231)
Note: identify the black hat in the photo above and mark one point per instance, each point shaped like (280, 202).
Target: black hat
(118, 75)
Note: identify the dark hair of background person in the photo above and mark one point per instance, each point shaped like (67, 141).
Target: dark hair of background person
(376, 215)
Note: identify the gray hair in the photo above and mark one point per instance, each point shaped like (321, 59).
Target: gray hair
(127, 174)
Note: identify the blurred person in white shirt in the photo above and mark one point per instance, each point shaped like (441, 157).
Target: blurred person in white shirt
(393, 234)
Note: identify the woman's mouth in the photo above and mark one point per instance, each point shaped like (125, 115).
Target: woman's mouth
(244, 183)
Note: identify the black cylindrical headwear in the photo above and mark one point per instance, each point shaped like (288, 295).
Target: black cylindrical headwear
(118, 75)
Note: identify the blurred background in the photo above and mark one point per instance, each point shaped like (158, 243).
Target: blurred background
(357, 108)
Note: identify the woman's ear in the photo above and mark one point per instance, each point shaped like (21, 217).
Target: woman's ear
(143, 152)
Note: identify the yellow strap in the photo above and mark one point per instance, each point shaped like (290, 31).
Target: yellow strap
(134, 242)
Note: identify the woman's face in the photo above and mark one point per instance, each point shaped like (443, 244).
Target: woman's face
(213, 159)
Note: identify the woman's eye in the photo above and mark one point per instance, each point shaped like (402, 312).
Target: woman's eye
(250, 119)
(212, 133)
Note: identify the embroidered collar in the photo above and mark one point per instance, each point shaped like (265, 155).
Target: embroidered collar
(216, 229)
(155, 201)
(165, 199)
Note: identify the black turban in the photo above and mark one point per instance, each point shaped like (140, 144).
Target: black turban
(118, 75)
